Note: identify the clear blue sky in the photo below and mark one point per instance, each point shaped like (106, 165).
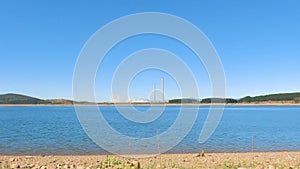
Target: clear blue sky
(258, 43)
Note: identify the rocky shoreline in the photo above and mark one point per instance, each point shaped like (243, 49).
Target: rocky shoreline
(259, 160)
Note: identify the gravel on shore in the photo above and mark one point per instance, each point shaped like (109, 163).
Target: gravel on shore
(259, 160)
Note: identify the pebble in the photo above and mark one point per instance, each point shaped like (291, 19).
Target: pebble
(11, 159)
(14, 166)
(80, 167)
(201, 154)
(43, 167)
(136, 164)
(23, 166)
(185, 160)
(271, 167)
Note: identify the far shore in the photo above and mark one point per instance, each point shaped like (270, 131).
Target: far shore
(271, 160)
(166, 104)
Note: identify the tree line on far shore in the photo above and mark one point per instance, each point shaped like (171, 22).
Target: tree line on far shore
(290, 97)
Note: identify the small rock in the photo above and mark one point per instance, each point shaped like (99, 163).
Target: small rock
(31, 165)
(66, 166)
(23, 166)
(185, 160)
(11, 160)
(201, 154)
(80, 167)
(136, 164)
(87, 168)
(271, 167)
(14, 166)
(43, 167)
(28, 157)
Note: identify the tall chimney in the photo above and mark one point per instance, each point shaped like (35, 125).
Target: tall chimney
(163, 89)
(154, 93)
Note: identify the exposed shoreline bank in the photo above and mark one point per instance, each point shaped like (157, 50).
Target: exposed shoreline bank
(207, 160)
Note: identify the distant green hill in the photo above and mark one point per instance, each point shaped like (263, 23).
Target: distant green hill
(218, 100)
(206, 100)
(292, 97)
(22, 99)
(59, 101)
(272, 97)
(183, 101)
(19, 99)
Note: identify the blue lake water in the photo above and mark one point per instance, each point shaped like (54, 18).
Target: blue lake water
(56, 130)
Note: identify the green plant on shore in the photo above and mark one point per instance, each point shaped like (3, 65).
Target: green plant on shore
(99, 165)
(172, 164)
(281, 166)
(151, 166)
(61, 164)
(252, 165)
(243, 163)
(4, 166)
(238, 165)
(111, 162)
(163, 166)
(231, 165)
(227, 164)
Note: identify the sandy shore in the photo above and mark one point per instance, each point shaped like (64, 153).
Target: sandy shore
(269, 160)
